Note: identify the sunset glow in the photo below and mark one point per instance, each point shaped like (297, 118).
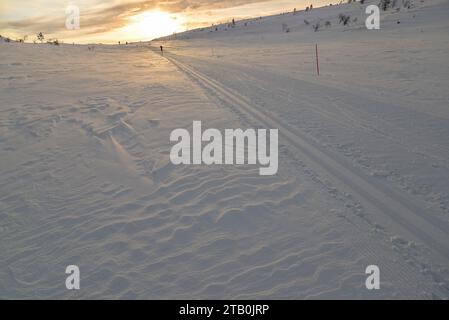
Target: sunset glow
(153, 24)
(110, 21)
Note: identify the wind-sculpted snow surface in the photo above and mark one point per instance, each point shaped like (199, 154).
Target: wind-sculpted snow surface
(86, 177)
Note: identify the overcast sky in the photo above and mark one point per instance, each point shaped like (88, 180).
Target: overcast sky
(109, 20)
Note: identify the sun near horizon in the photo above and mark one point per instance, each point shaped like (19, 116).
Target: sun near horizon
(153, 24)
(109, 22)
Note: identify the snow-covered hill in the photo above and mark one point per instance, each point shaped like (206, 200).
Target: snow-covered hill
(86, 178)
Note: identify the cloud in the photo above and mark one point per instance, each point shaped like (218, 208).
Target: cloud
(103, 17)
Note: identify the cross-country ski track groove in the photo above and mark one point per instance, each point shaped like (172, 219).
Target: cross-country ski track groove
(396, 209)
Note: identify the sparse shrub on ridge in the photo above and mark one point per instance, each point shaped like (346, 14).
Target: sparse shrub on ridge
(345, 19)
(54, 42)
(40, 36)
(385, 4)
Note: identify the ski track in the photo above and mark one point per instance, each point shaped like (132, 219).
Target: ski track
(409, 217)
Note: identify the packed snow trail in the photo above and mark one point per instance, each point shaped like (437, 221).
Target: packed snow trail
(409, 217)
(89, 182)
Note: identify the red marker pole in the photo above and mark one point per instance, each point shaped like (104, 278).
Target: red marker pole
(317, 61)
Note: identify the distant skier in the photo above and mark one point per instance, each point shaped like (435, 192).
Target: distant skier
(162, 50)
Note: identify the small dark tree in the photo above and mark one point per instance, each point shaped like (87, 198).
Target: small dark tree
(384, 4)
(344, 19)
(40, 37)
